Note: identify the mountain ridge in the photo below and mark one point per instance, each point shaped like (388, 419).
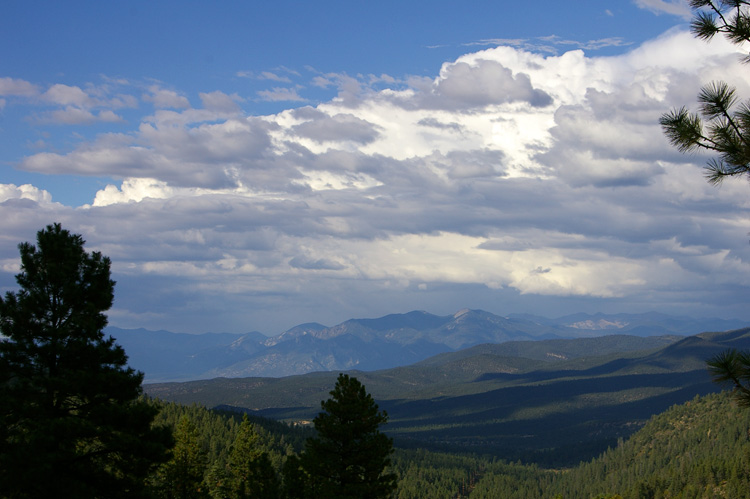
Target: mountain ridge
(370, 344)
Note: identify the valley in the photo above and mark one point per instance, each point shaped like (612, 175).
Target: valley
(550, 402)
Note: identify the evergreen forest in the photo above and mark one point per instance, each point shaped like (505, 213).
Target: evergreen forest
(699, 449)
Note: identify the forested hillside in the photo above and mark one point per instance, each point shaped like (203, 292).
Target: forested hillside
(217, 431)
(694, 450)
(697, 449)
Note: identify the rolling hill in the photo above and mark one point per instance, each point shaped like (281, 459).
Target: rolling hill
(548, 401)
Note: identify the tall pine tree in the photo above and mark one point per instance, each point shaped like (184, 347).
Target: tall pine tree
(71, 417)
(350, 456)
(182, 476)
(251, 472)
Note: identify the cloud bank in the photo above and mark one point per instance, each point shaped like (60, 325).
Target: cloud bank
(509, 179)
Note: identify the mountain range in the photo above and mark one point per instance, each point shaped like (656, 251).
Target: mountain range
(371, 344)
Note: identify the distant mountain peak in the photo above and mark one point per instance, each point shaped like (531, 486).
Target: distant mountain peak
(306, 328)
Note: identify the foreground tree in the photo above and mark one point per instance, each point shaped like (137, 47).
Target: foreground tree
(349, 457)
(71, 417)
(733, 367)
(721, 127)
(723, 124)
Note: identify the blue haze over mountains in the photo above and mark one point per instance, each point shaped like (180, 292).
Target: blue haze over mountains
(370, 344)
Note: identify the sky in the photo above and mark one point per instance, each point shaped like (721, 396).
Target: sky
(256, 165)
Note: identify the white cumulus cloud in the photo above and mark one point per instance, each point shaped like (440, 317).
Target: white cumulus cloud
(25, 191)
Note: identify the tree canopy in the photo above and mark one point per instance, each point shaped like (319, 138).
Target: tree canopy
(250, 469)
(182, 476)
(722, 125)
(350, 456)
(70, 411)
(733, 367)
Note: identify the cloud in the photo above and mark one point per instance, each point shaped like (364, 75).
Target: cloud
(312, 264)
(492, 83)
(72, 105)
(588, 45)
(280, 94)
(72, 115)
(511, 175)
(26, 191)
(476, 84)
(678, 8)
(350, 89)
(133, 190)
(271, 75)
(166, 99)
(552, 44)
(68, 95)
(16, 87)
(339, 127)
(92, 97)
(267, 75)
(434, 123)
(221, 102)
(208, 155)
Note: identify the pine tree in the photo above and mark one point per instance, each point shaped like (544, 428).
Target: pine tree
(250, 468)
(182, 476)
(733, 367)
(296, 483)
(349, 457)
(70, 411)
(723, 124)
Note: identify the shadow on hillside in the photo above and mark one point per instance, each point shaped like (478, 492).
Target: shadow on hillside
(545, 375)
(530, 392)
(561, 433)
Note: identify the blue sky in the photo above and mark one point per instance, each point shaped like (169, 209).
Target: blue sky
(255, 165)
